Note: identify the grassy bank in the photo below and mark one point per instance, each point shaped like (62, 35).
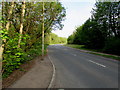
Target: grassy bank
(93, 51)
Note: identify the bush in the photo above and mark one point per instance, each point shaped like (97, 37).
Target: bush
(14, 57)
(112, 46)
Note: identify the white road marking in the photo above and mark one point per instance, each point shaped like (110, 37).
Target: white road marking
(53, 75)
(74, 54)
(60, 89)
(97, 63)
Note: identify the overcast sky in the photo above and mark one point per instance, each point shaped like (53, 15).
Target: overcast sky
(77, 13)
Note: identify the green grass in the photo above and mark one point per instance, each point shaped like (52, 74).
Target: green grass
(93, 51)
(104, 55)
(56, 43)
(82, 47)
(75, 46)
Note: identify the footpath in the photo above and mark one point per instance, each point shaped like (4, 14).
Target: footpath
(37, 77)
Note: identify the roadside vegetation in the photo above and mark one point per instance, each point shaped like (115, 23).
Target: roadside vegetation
(55, 39)
(93, 51)
(82, 47)
(101, 32)
(21, 31)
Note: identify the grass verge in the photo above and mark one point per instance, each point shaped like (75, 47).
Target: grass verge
(93, 51)
(104, 55)
(82, 47)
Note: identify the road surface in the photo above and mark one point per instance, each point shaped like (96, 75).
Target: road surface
(76, 69)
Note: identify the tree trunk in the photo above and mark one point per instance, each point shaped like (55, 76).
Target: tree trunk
(9, 15)
(21, 23)
(7, 28)
(114, 26)
(1, 49)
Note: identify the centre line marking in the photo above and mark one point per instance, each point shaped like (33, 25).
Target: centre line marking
(74, 54)
(97, 63)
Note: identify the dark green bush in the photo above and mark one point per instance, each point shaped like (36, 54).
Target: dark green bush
(112, 46)
(14, 57)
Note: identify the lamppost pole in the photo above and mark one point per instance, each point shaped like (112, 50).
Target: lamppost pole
(43, 31)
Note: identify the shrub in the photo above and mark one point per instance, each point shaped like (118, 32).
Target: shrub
(112, 46)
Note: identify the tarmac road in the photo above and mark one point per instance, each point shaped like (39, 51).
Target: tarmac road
(76, 69)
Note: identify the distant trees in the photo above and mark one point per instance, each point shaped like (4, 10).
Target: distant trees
(102, 30)
(54, 39)
(71, 39)
(21, 30)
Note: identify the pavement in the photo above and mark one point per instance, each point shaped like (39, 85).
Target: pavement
(77, 69)
(38, 77)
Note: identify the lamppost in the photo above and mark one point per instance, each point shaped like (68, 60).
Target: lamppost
(43, 31)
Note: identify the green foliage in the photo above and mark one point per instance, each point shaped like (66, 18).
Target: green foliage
(93, 51)
(106, 55)
(4, 34)
(112, 46)
(63, 40)
(54, 39)
(70, 39)
(91, 35)
(101, 31)
(15, 57)
(30, 45)
(88, 34)
(75, 46)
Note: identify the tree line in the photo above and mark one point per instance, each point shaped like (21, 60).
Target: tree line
(55, 39)
(102, 30)
(21, 30)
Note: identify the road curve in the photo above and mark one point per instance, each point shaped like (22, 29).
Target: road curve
(76, 69)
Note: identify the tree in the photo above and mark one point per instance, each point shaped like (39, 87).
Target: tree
(21, 22)
(24, 37)
(77, 35)
(2, 45)
(91, 35)
(101, 31)
(54, 39)
(70, 39)
(106, 15)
